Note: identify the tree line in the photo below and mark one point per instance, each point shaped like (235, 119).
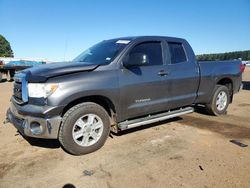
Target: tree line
(244, 55)
(5, 48)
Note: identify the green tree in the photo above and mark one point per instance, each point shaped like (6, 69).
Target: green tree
(5, 48)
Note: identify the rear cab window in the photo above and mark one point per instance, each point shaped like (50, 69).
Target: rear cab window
(177, 52)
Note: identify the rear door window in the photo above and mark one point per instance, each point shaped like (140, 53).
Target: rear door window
(177, 52)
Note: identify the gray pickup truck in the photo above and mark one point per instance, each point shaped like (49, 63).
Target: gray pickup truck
(115, 85)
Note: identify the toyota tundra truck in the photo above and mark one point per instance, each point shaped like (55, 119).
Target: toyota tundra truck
(115, 85)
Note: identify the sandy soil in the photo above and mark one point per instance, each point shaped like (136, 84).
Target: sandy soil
(188, 151)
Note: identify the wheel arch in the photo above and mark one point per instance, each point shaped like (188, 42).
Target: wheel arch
(103, 101)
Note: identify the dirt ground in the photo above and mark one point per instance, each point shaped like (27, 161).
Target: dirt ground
(189, 151)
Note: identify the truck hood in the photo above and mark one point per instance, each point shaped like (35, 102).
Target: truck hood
(43, 72)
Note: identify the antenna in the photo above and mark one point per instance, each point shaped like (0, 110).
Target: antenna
(66, 48)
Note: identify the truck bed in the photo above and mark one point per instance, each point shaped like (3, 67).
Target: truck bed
(211, 72)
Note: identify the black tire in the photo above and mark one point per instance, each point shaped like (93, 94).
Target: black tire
(12, 73)
(212, 108)
(69, 119)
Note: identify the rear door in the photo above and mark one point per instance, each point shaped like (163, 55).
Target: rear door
(183, 76)
(142, 88)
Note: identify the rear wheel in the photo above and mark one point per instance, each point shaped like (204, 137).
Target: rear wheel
(85, 128)
(219, 102)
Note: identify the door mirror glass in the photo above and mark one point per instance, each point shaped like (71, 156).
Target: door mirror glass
(136, 59)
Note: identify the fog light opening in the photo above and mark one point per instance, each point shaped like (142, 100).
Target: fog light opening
(36, 128)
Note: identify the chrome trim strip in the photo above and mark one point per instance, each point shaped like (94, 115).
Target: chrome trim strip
(24, 90)
(17, 79)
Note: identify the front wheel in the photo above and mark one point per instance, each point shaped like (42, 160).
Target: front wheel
(219, 102)
(85, 128)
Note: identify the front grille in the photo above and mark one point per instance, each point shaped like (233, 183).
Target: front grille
(18, 90)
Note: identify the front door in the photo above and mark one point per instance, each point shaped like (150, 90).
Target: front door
(143, 88)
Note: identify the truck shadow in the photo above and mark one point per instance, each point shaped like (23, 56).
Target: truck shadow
(43, 143)
(228, 130)
(246, 85)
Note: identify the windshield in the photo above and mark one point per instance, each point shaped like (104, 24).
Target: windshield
(103, 52)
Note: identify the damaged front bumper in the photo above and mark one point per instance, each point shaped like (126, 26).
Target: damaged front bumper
(34, 126)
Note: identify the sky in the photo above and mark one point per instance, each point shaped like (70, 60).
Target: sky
(59, 30)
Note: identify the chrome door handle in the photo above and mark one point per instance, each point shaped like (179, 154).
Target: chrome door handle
(162, 73)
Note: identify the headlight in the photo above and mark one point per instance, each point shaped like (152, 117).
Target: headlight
(38, 90)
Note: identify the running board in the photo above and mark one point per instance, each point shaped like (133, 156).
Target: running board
(128, 124)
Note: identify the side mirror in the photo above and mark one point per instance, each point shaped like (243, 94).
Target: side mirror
(136, 59)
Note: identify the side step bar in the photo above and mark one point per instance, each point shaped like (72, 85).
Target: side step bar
(128, 124)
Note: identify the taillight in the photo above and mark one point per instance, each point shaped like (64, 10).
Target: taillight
(242, 67)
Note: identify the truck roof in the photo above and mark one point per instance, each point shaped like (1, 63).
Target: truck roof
(150, 38)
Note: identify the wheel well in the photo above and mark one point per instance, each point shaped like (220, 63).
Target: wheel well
(229, 84)
(101, 100)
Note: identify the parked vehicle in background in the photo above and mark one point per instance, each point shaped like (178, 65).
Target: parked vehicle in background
(13, 66)
(247, 63)
(1, 66)
(119, 84)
